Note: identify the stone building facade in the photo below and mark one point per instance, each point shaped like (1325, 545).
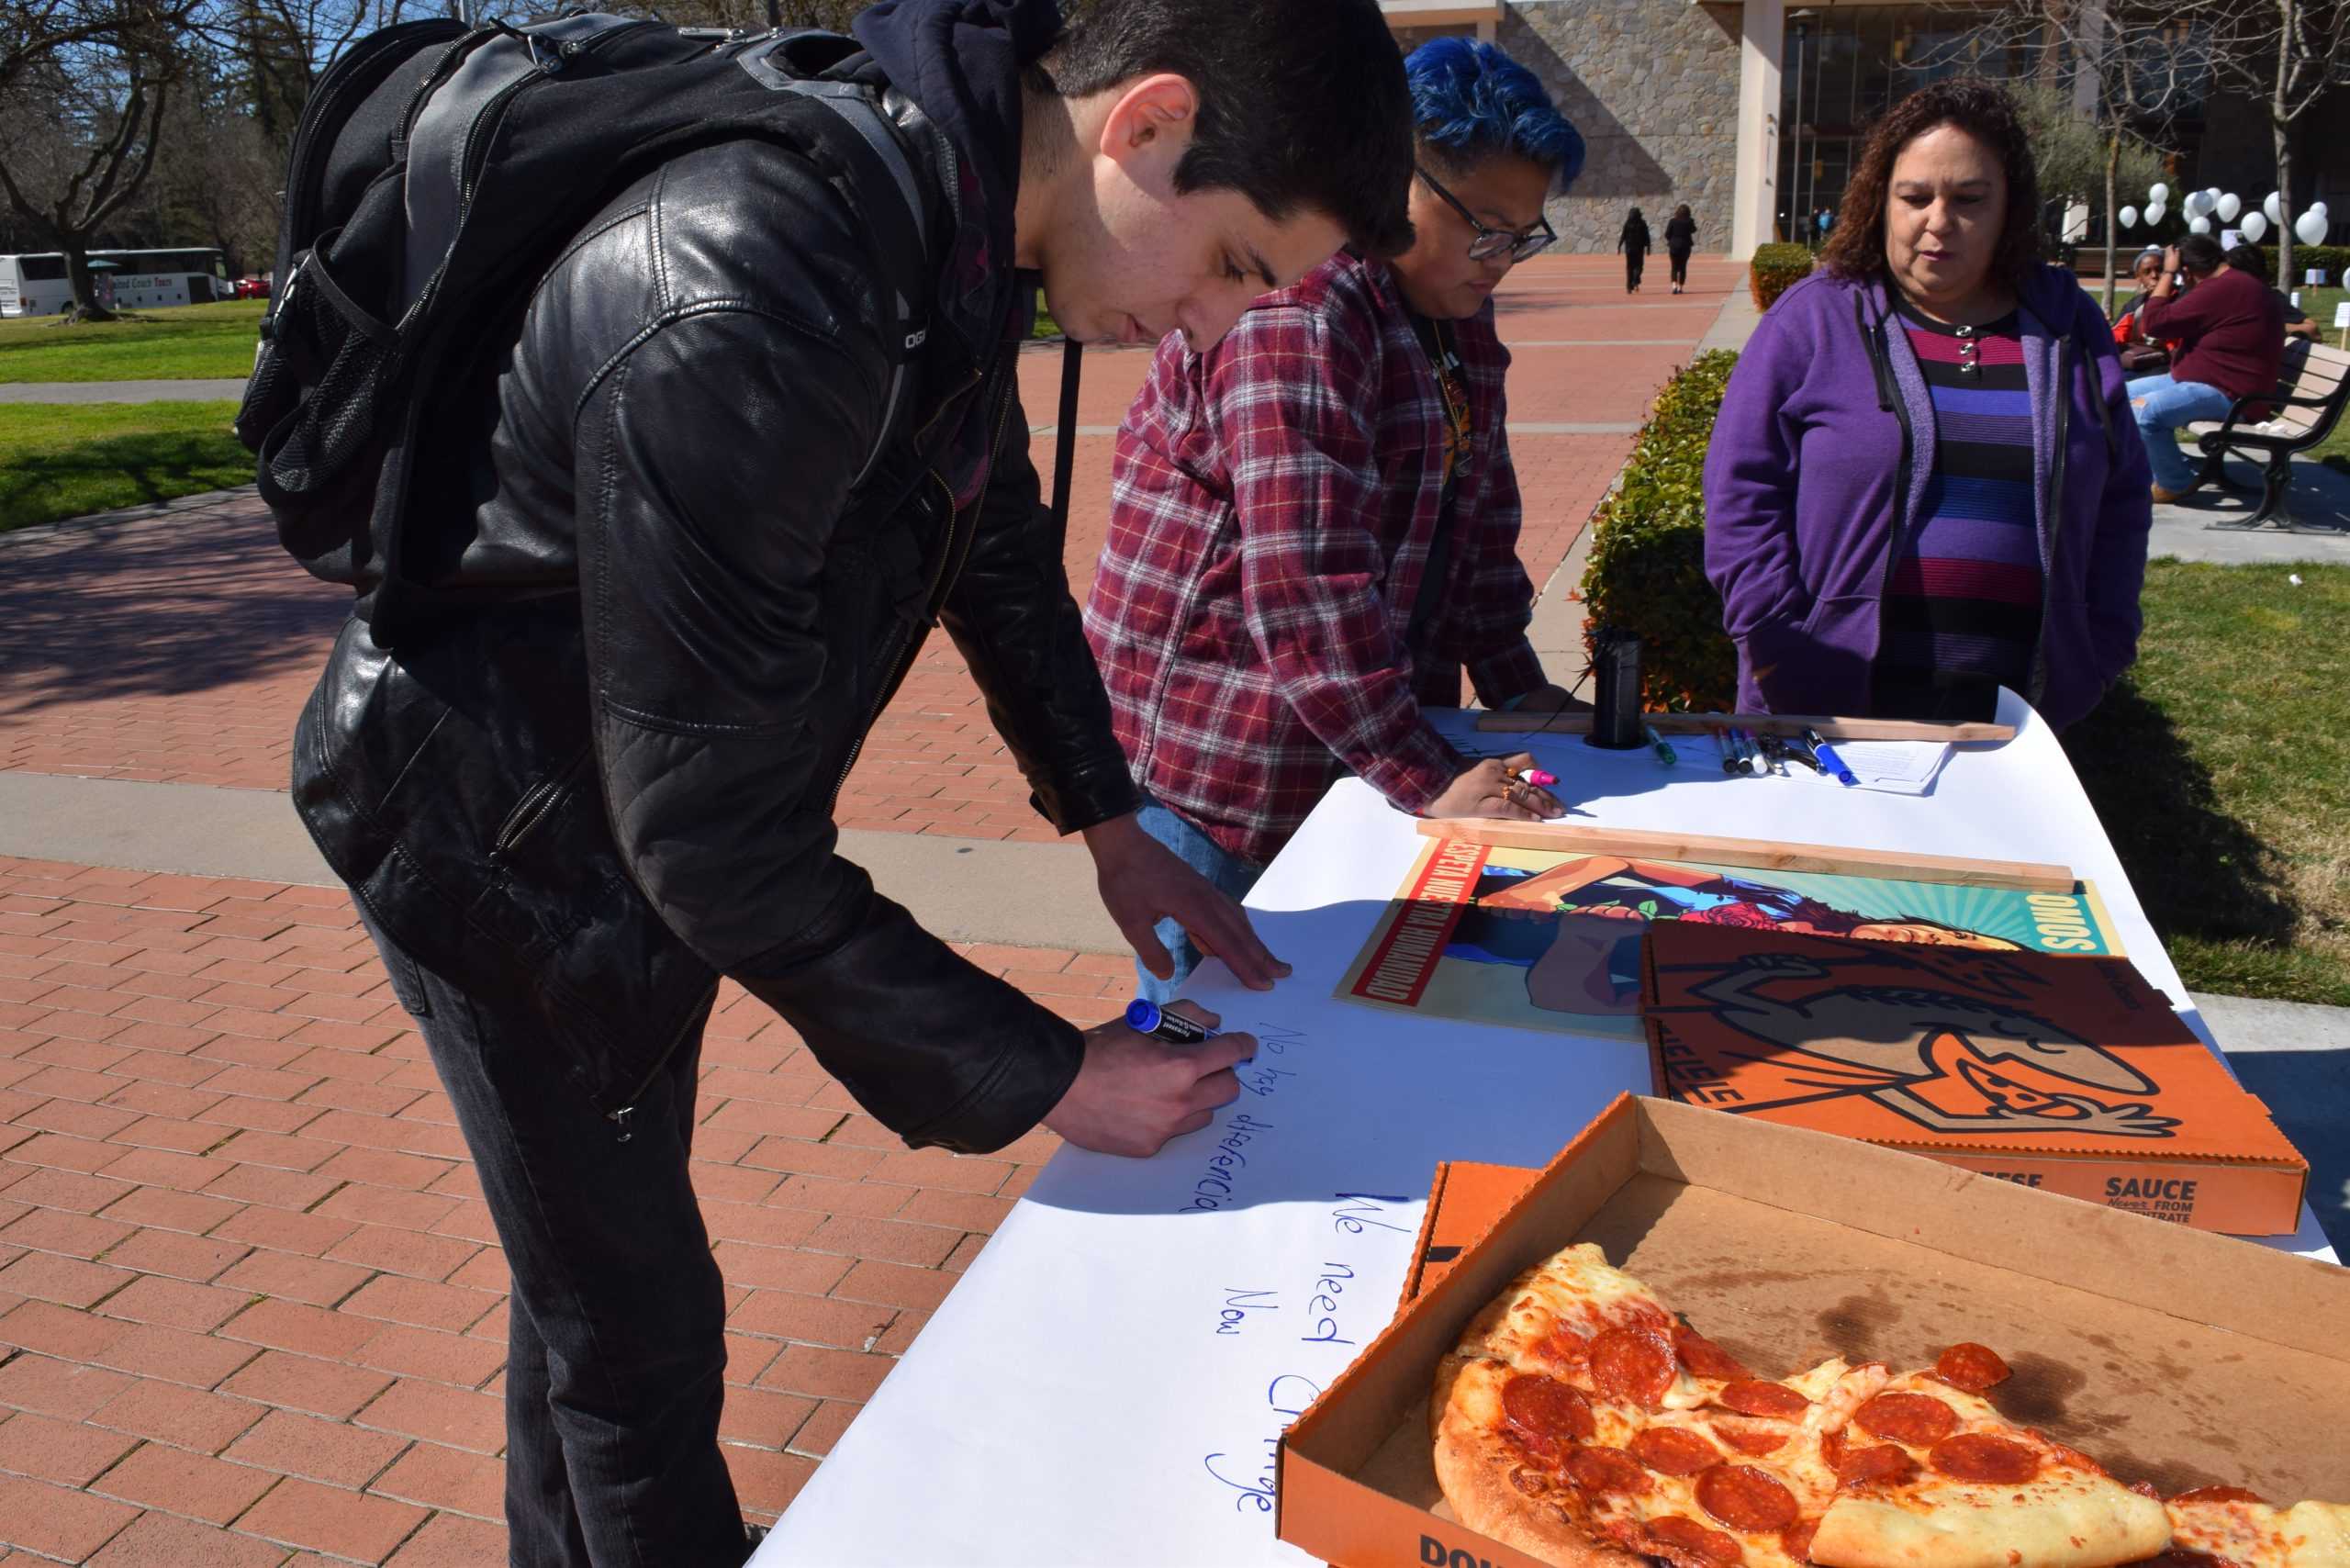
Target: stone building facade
(1720, 103)
(1653, 85)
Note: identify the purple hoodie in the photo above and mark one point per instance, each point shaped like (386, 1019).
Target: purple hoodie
(1819, 462)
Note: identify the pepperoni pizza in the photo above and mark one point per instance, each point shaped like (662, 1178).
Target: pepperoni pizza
(1581, 1421)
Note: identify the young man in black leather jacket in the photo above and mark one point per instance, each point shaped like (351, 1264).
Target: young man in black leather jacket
(684, 545)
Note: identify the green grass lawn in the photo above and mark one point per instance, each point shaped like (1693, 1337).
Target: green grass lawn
(187, 343)
(2222, 772)
(62, 459)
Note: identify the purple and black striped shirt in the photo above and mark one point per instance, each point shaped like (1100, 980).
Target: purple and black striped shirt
(1962, 615)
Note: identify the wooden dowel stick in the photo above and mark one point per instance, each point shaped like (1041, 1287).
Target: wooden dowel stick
(1759, 854)
(1829, 728)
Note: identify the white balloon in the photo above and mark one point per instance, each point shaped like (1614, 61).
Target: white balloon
(2310, 227)
(2191, 204)
(2156, 213)
(2275, 207)
(2228, 207)
(2198, 226)
(2318, 208)
(2157, 194)
(2213, 194)
(2128, 217)
(2254, 226)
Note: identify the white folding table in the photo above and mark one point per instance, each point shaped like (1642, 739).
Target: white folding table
(1107, 1382)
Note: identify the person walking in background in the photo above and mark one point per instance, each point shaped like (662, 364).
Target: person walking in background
(2228, 328)
(1314, 524)
(1680, 239)
(1922, 486)
(1634, 243)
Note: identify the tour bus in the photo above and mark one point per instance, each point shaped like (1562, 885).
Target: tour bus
(138, 280)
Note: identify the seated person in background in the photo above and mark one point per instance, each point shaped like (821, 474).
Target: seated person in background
(2136, 348)
(2253, 260)
(1313, 525)
(2230, 333)
(1922, 484)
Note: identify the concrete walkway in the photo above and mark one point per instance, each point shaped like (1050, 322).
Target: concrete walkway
(2317, 503)
(957, 886)
(122, 391)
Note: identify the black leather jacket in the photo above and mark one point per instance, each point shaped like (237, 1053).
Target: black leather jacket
(605, 776)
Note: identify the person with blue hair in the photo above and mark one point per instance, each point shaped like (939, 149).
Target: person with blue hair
(1314, 523)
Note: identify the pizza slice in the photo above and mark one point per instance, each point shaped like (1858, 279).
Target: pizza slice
(1616, 1426)
(1579, 1420)
(1931, 1476)
(2227, 1527)
(1582, 1479)
(1575, 1318)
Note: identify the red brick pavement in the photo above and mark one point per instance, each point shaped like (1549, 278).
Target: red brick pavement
(250, 1303)
(180, 651)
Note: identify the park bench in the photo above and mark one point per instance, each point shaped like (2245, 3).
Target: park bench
(2311, 389)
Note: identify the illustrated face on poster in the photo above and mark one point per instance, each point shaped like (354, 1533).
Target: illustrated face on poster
(1540, 939)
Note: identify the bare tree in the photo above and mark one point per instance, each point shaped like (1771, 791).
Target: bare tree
(2128, 73)
(2285, 55)
(217, 178)
(83, 88)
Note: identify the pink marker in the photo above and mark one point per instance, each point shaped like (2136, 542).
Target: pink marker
(1535, 776)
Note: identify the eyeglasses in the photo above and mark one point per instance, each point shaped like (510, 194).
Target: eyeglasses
(1491, 242)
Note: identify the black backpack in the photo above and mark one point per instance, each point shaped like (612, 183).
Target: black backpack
(435, 176)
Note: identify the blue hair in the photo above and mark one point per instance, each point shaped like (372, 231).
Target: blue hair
(1470, 101)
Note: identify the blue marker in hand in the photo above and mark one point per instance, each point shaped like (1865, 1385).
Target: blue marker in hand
(1148, 1018)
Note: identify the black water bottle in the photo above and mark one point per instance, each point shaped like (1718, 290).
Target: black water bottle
(1616, 678)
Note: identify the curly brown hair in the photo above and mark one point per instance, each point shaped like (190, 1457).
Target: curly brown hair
(1984, 112)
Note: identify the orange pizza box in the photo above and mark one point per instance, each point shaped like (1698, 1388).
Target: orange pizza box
(2175, 1357)
(1462, 1201)
(2068, 1075)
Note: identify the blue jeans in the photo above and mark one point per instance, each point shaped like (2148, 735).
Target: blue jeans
(1230, 874)
(2164, 406)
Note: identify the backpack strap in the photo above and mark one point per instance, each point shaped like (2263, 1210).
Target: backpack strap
(834, 115)
(901, 231)
(462, 105)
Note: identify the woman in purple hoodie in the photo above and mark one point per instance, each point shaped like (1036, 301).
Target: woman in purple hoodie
(1925, 483)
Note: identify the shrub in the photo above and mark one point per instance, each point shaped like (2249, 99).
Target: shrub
(2335, 259)
(1774, 270)
(1647, 574)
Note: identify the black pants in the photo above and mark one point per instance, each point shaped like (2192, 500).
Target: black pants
(1633, 262)
(616, 1351)
(1680, 265)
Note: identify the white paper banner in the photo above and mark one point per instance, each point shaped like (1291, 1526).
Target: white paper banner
(1107, 1383)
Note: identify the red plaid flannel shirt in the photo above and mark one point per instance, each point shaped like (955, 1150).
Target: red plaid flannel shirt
(1272, 505)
